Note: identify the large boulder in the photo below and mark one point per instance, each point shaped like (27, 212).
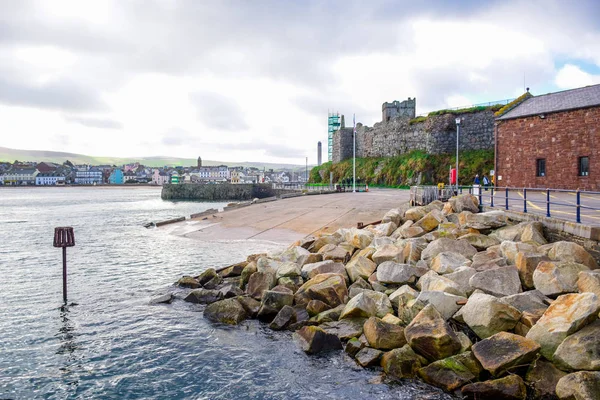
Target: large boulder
(533, 232)
(511, 249)
(307, 268)
(461, 276)
(345, 329)
(189, 282)
(368, 356)
(532, 302)
(487, 315)
(203, 296)
(464, 202)
(268, 264)
(504, 351)
(453, 372)
(295, 254)
(526, 264)
(486, 220)
(401, 363)
(207, 276)
(402, 295)
(589, 281)
(415, 213)
(247, 272)
(569, 251)
(228, 311)
(360, 267)
(394, 215)
(430, 221)
(382, 335)
(288, 269)
(367, 304)
(479, 241)
(313, 339)
(359, 238)
(444, 303)
(324, 240)
(447, 262)
(274, 300)
(433, 282)
(501, 281)
(582, 385)
(387, 252)
(445, 244)
(382, 230)
(284, 318)
(328, 288)
(337, 253)
(430, 335)
(555, 278)
(580, 350)
(391, 272)
(566, 315)
(511, 387)
(259, 283)
(329, 268)
(542, 377)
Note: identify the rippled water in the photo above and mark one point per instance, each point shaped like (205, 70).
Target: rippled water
(110, 342)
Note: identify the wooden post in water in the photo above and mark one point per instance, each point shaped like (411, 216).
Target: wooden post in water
(64, 237)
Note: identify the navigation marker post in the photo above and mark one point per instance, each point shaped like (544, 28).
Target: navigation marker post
(64, 237)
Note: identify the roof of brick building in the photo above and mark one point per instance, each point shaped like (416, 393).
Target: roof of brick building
(588, 96)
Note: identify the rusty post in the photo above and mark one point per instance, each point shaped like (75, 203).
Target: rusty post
(64, 237)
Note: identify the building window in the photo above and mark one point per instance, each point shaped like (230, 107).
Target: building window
(584, 166)
(540, 167)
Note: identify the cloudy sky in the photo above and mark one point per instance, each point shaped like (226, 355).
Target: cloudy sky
(254, 80)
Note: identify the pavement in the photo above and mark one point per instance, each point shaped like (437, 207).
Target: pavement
(289, 220)
(563, 205)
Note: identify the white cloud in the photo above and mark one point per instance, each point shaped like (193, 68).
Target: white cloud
(239, 81)
(571, 76)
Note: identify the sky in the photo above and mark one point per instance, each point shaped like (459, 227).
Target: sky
(254, 80)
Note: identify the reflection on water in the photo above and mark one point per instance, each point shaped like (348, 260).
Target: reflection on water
(110, 342)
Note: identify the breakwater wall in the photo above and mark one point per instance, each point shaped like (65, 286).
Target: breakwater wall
(435, 135)
(222, 191)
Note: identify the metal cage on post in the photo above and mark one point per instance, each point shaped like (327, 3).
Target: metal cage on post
(64, 237)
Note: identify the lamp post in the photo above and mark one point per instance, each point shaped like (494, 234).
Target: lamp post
(457, 136)
(354, 154)
(306, 176)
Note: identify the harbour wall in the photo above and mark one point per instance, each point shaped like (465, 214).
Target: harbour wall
(219, 192)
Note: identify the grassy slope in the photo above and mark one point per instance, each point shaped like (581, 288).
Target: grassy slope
(401, 170)
(11, 155)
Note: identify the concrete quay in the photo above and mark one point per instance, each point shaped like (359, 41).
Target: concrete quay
(287, 220)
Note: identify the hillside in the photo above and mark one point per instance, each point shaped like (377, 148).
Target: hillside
(10, 155)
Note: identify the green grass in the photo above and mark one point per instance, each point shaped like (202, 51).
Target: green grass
(398, 172)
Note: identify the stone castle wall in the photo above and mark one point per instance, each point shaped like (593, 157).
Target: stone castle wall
(436, 135)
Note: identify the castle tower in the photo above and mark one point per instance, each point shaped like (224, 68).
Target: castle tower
(398, 109)
(199, 162)
(319, 149)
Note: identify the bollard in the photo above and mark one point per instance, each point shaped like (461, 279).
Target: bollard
(64, 237)
(524, 200)
(492, 197)
(506, 195)
(548, 203)
(578, 206)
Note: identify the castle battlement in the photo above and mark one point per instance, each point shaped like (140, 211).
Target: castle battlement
(399, 109)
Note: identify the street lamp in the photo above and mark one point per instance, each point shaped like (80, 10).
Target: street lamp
(457, 136)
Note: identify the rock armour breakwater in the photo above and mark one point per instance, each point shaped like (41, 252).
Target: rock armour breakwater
(217, 192)
(465, 301)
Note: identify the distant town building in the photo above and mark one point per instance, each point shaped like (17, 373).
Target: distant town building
(116, 177)
(50, 179)
(20, 176)
(175, 178)
(159, 178)
(199, 162)
(45, 167)
(86, 175)
(550, 141)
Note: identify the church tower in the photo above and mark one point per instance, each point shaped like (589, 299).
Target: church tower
(199, 162)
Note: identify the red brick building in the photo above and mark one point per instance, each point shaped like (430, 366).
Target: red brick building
(551, 141)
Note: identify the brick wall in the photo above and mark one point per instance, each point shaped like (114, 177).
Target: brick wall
(560, 138)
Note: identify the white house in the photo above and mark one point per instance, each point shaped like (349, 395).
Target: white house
(50, 179)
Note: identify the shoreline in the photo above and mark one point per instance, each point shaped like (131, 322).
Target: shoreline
(429, 293)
